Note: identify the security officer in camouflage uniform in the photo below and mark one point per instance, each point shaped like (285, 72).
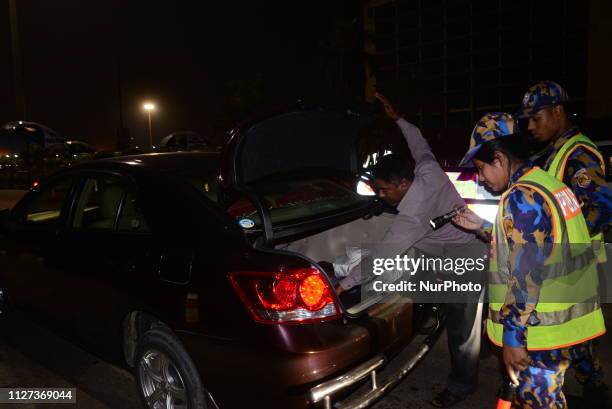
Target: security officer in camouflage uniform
(542, 298)
(574, 159)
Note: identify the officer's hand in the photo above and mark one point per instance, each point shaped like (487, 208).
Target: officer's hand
(468, 220)
(339, 290)
(388, 107)
(515, 360)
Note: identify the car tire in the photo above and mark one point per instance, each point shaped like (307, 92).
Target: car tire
(165, 373)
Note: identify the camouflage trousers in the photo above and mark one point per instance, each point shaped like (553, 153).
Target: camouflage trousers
(541, 384)
(586, 365)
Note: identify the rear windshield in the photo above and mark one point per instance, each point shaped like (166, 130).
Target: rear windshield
(205, 178)
(297, 200)
(289, 198)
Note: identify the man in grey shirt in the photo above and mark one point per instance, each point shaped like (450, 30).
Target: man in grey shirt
(421, 194)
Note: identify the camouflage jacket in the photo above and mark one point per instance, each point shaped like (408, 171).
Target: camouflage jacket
(583, 174)
(527, 222)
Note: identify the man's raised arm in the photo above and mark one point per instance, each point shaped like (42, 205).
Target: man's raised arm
(419, 148)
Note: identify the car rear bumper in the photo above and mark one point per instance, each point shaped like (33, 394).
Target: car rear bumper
(383, 377)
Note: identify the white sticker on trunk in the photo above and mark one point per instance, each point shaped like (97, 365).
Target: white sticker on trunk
(246, 223)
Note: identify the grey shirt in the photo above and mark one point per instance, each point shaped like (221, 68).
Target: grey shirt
(431, 194)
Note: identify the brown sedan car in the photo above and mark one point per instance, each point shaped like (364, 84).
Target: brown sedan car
(201, 270)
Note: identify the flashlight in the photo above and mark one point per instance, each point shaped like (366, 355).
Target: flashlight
(440, 221)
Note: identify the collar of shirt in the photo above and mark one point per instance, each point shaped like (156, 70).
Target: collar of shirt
(524, 168)
(564, 137)
(549, 154)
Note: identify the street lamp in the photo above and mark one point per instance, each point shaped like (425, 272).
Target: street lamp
(149, 107)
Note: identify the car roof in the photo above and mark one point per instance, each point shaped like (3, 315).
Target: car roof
(171, 162)
(161, 162)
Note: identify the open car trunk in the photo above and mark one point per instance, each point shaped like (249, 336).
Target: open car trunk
(290, 181)
(277, 171)
(336, 242)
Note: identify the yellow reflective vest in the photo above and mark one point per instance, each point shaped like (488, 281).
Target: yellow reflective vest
(572, 314)
(557, 169)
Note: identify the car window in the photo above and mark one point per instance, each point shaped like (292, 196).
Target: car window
(204, 179)
(105, 203)
(131, 218)
(45, 206)
(98, 204)
(207, 184)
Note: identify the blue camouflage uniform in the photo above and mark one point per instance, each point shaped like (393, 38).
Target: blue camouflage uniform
(584, 171)
(585, 176)
(527, 219)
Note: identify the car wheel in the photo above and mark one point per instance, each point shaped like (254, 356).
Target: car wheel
(167, 377)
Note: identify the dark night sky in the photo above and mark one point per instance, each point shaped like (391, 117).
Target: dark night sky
(204, 63)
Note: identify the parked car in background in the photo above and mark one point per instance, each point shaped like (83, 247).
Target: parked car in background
(475, 195)
(24, 131)
(29, 151)
(183, 141)
(80, 151)
(203, 271)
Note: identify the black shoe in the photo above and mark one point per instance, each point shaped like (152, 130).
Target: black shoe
(447, 399)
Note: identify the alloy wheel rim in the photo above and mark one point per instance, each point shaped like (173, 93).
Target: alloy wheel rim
(161, 383)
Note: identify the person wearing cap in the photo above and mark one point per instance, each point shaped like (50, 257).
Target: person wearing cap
(541, 297)
(574, 159)
(570, 155)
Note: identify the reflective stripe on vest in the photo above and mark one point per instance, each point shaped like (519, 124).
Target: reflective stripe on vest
(554, 317)
(569, 267)
(559, 336)
(557, 169)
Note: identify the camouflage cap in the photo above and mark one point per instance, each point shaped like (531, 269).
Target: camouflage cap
(492, 126)
(542, 94)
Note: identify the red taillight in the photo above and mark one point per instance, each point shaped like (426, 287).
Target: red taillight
(294, 296)
(313, 292)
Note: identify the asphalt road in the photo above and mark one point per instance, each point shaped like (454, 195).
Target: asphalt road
(31, 356)
(429, 378)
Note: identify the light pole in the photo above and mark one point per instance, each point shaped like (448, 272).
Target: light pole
(149, 107)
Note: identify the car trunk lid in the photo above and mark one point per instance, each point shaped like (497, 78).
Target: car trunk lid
(305, 151)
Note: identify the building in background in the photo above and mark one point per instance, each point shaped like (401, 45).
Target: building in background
(447, 62)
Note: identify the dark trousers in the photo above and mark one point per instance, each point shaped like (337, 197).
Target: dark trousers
(464, 329)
